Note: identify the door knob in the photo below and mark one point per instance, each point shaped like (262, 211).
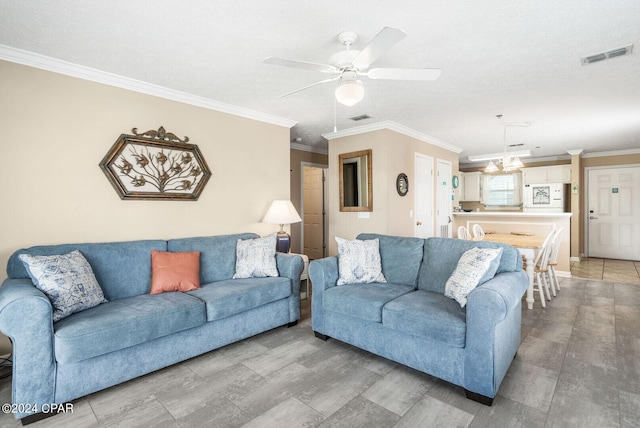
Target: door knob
(418, 223)
(592, 217)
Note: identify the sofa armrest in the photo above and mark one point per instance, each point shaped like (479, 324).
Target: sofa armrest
(498, 296)
(291, 266)
(494, 313)
(324, 275)
(26, 317)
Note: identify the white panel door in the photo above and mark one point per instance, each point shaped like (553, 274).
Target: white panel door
(613, 213)
(444, 196)
(423, 199)
(313, 210)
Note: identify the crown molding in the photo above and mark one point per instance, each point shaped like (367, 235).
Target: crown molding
(43, 62)
(312, 149)
(611, 153)
(392, 126)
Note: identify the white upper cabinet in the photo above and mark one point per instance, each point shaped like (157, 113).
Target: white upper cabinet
(547, 174)
(470, 189)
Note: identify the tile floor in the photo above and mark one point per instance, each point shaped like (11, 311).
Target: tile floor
(607, 270)
(578, 366)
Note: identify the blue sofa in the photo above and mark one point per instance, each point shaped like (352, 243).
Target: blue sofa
(409, 320)
(136, 333)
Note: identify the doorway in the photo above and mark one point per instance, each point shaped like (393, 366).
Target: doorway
(444, 196)
(314, 221)
(613, 212)
(423, 196)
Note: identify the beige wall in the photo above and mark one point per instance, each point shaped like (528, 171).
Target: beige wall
(298, 157)
(392, 153)
(55, 131)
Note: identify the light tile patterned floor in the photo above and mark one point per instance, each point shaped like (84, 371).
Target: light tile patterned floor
(578, 366)
(625, 271)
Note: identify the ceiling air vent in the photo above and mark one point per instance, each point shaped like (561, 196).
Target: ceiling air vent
(361, 117)
(624, 50)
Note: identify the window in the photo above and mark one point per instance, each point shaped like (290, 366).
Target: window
(502, 190)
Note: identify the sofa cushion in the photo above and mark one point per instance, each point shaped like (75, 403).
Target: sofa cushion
(400, 257)
(178, 271)
(359, 261)
(123, 323)
(475, 267)
(256, 257)
(363, 301)
(441, 257)
(429, 315)
(123, 269)
(217, 254)
(67, 280)
(230, 297)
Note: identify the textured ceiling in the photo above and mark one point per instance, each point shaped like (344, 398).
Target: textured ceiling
(520, 59)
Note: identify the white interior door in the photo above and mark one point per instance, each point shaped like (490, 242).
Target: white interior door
(444, 196)
(613, 212)
(423, 196)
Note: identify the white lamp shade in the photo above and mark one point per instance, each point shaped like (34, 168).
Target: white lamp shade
(281, 212)
(491, 167)
(350, 92)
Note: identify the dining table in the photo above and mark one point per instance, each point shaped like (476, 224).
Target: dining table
(528, 246)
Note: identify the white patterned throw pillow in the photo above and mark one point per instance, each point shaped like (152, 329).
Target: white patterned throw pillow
(472, 267)
(359, 261)
(256, 258)
(67, 280)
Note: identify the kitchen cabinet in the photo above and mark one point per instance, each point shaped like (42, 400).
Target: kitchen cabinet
(546, 174)
(470, 186)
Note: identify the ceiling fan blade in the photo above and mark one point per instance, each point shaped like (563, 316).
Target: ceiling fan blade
(427, 74)
(382, 42)
(311, 85)
(324, 68)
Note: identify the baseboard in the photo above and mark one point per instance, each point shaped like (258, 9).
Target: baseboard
(574, 259)
(563, 273)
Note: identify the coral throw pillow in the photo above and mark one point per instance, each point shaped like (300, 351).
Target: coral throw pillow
(178, 271)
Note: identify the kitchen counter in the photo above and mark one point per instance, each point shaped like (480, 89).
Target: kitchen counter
(522, 222)
(515, 214)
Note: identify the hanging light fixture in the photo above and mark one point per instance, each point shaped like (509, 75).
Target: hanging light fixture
(350, 90)
(510, 161)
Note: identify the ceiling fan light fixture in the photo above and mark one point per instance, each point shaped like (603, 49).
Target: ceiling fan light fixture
(350, 92)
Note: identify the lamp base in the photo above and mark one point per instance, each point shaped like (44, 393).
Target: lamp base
(283, 242)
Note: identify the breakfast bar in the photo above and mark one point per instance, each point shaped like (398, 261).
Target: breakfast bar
(525, 231)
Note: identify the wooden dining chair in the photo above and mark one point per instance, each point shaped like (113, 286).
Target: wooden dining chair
(540, 270)
(478, 232)
(463, 233)
(553, 261)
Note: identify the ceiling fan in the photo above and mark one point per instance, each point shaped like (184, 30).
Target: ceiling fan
(349, 64)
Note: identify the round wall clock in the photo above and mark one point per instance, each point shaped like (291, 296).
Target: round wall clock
(402, 184)
(455, 181)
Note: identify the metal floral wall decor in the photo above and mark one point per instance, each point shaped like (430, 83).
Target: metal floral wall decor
(155, 165)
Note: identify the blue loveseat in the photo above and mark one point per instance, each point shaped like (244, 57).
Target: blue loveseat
(409, 320)
(135, 332)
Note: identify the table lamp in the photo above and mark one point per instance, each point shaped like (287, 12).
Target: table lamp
(282, 212)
